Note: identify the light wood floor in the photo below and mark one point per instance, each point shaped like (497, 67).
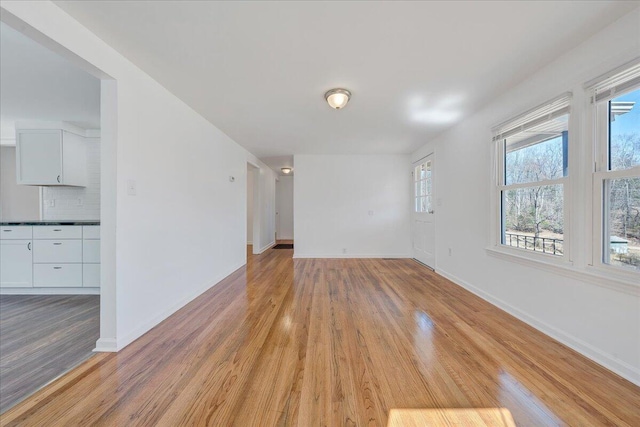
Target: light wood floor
(42, 337)
(336, 343)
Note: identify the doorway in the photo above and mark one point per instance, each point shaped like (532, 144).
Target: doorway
(251, 192)
(52, 241)
(423, 213)
(284, 209)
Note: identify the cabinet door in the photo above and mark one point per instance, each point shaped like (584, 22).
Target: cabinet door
(39, 157)
(16, 269)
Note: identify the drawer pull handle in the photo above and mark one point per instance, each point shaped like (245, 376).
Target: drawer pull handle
(57, 244)
(57, 229)
(29, 245)
(7, 231)
(57, 268)
(58, 178)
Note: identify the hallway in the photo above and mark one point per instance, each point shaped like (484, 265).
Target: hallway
(333, 342)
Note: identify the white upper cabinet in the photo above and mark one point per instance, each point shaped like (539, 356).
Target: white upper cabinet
(50, 157)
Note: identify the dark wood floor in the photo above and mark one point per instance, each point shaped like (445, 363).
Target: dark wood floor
(41, 337)
(335, 343)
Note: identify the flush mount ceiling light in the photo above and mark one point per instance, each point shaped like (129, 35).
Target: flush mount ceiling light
(286, 170)
(337, 98)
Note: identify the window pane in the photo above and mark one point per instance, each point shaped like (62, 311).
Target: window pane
(533, 218)
(423, 204)
(537, 154)
(622, 238)
(624, 131)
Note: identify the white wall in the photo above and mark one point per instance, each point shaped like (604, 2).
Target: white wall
(284, 207)
(249, 206)
(185, 228)
(17, 202)
(79, 203)
(596, 316)
(352, 206)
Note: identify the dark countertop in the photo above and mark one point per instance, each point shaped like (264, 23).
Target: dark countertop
(52, 222)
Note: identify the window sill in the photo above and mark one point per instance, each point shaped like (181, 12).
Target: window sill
(601, 277)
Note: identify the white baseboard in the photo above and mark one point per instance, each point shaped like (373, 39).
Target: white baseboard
(108, 345)
(49, 291)
(620, 367)
(145, 327)
(268, 246)
(352, 256)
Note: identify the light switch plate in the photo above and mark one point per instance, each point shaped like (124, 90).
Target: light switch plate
(131, 187)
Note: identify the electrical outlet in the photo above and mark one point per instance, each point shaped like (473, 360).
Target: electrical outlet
(344, 250)
(450, 251)
(51, 203)
(80, 202)
(370, 213)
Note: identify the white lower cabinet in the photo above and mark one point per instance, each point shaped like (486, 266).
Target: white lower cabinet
(57, 275)
(16, 263)
(91, 275)
(57, 251)
(91, 251)
(43, 256)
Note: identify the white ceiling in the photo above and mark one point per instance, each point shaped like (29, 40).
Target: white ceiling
(258, 70)
(278, 162)
(38, 84)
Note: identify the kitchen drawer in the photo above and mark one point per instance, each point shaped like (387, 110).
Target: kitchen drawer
(91, 275)
(57, 232)
(91, 232)
(91, 251)
(57, 275)
(57, 251)
(15, 232)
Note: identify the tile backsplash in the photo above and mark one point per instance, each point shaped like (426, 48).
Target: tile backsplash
(76, 202)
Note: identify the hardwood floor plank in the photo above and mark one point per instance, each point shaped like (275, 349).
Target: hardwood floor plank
(338, 342)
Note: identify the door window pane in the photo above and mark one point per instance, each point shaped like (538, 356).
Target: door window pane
(622, 233)
(422, 186)
(533, 218)
(624, 131)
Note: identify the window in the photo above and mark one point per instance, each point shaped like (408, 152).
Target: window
(617, 170)
(423, 187)
(532, 157)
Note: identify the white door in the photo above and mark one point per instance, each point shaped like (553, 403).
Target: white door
(423, 216)
(16, 264)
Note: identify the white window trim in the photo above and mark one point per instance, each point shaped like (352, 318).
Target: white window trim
(597, 114)
(555, 107)
(589, 274)
(579, 195)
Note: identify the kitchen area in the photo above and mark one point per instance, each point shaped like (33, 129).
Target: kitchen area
(49, 216)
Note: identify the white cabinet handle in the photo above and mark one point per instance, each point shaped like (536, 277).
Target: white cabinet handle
(57, 243)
